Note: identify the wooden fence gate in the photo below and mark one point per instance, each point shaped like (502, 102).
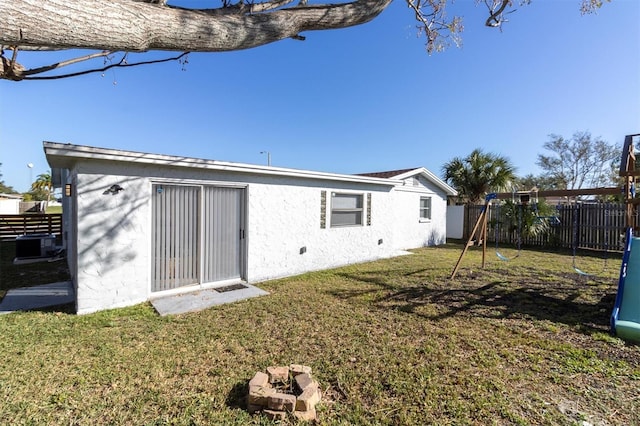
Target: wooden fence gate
(594, 226)
(12, 226)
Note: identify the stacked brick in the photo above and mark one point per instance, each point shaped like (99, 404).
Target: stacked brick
(268, 393)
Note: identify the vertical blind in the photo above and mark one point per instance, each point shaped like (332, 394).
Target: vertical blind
(175, 236)
(222, 233)
(197, 235)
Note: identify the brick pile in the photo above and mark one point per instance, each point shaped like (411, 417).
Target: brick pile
(281, 391)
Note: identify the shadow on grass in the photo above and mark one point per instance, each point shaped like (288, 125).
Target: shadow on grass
(67, 308)
(237, 396)
(559, 297)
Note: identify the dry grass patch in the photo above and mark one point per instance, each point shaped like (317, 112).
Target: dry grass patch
(391, 342)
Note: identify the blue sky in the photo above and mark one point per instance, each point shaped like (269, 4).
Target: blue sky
(362, 99)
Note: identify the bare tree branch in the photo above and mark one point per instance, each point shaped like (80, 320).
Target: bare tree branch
(52, 67)
(122, 64)
(591, 6)
(431, 14)
(496, 10)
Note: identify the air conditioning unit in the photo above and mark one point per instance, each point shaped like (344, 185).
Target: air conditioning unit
(35, 245)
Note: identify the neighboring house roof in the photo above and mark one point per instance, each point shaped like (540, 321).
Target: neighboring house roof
(387, 174)
(407, 173)
(10, 196)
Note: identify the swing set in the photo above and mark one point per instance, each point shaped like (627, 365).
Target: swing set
(625, 316)
(478, 235)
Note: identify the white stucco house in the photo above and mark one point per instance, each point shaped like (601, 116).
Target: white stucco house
(10, 203)
(139, 225)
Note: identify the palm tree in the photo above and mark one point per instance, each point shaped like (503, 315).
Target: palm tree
(43, 184)
(478, 174)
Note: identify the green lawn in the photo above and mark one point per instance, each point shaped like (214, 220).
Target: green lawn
(54, 209)
(392, 342)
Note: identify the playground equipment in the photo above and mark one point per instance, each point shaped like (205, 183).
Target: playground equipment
(479, 234)
(625, 317)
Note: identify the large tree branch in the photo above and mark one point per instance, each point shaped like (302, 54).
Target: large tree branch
(143, 25)
(245, 8)
(123, 25)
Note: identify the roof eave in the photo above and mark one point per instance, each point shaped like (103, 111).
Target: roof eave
(431, 177)
(63, 155)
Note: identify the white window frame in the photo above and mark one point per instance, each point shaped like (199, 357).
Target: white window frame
(359, 210)
(425, 213)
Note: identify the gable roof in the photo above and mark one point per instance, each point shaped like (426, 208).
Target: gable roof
(387, 174)
(407, 173)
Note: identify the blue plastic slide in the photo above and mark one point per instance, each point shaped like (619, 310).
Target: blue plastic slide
(625, 318)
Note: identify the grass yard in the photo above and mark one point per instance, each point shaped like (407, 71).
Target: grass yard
(393, 342)
(54, 210)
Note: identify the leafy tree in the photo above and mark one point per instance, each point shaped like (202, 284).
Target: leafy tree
(542, 182)
(4, 188)
(478, 174)
(579, 162)
(111, 26)
(526, 219)
(42, 187)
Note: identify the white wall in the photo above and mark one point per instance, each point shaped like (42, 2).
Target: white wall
(112, 241)
(114, 231)
(455, 221)
(409, 230)
(9, 206)
(285, 217)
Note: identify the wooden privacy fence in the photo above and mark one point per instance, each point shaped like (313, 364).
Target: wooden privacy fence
(594, 226)
(12, 226)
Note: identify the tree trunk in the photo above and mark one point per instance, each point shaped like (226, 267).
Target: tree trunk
(128, 25)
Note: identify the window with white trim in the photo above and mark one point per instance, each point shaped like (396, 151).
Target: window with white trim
(425, 208)
(346, 209)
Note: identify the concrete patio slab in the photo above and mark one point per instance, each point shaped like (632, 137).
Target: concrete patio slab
(203, 299)
(37, 297)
